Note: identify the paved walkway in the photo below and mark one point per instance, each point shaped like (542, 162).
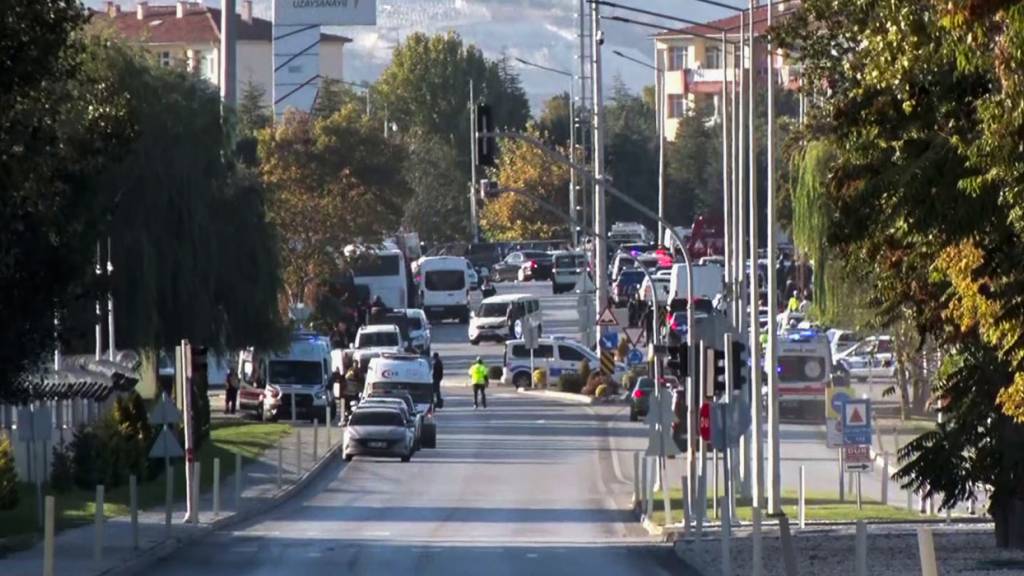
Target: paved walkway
(74, 549)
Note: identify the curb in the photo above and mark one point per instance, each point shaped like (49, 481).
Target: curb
(566, 396)
(146, 558)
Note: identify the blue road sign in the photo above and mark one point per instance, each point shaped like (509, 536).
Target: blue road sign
(609, 338)
(635, 357)
(838, 400)
(856, 415)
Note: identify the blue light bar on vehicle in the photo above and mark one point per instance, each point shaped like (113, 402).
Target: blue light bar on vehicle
(801, 335)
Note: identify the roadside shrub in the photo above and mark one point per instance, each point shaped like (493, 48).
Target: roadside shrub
(571, 383)
(597, 381)
(84, 458)
(114, 447)
(602, 391)
(622, 350)
(8, 476)
(495, 373)
(585, 371)
(629, 380)
(62, 472)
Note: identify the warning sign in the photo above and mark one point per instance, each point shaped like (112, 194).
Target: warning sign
(854, 414)
(607, 318)
(857, 422)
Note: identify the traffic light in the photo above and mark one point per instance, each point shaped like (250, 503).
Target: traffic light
(740, 365)
(485, 142)
(678, 357)
(718, 362)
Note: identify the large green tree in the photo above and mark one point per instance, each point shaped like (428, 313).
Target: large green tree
(693, 165)
(554, 123)
(631, 152)
(439, 207)
(425, 88)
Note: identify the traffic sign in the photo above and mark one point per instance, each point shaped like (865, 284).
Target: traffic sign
(607, 363)
(857, 458)
(704, 422)
(730, 419)
(609, 338)
(607, 318)
(166, 446)
(834, 433)
(635, 336)
(659, 423)
(165, 412)
(857, 422)
(834, 400)
(634, 357)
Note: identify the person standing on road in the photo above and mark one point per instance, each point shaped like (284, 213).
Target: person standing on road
(478, 378)
(231, 392)
(438, 369)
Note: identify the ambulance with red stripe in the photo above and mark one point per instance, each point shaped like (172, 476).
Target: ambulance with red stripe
(803, 370)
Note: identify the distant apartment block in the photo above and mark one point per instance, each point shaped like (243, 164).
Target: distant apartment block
(695, 65)
(187, 34)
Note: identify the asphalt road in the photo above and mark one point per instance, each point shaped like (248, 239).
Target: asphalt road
(527, 486)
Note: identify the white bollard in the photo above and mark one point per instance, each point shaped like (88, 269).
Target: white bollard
(926, 551)
(97, 550)
(280, 463)
(687, 513)
(133, 502)
(756, 559)
(168, 500)
(216, 487)
(195, 493)
(48, 520)
(298, 454)
(649, 488)
(802, 497)
(643, 484)
(238, 481)
(316, 440)
(327, 426)
(861, 558)
(666, 497)
(885, 479)
(636, 478)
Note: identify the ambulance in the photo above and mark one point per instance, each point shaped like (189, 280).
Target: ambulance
(804, 371)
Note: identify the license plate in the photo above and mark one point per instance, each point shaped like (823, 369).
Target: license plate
(378, 444)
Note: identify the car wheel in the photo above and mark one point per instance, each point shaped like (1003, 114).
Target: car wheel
(259, 412)
(521, 380)
(407, 457)
(474, 341)
(348, 457)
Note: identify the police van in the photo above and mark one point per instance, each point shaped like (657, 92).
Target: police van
(804, 371)
(555, 355)
(406, 373)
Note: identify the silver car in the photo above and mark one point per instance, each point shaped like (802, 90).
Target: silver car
(378, 431)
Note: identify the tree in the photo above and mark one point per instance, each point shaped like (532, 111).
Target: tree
(253, 115)
(693, 166)
(426, 89)
(631, 152)
(513, 216)
(554, 122)
(439, 206)
(334, 95)
(58, 126)
(332, 181)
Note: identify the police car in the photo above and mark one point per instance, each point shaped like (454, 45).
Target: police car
(393, 373)
(554, 355)
(804, 371)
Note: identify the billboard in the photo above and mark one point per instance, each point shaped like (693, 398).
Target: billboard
(325, 12)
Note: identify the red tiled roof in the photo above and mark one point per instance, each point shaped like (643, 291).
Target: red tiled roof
(199, 24)
(731, 24)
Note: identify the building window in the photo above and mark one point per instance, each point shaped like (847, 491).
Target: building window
(713, 58)
(165, 59)
(676, 105)
(676, 58)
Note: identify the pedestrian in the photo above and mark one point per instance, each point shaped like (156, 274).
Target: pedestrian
(438, 369)
(378, 309)
(794, 303)
(478, 378)
(338, 388)
(231, 384)
(805, 303)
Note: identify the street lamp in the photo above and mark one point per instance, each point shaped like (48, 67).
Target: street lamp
(573, 207)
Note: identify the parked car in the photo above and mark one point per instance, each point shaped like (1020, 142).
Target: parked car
(640, 398)
(418, 328)
(536, 268)
(871, 358)
(490, 321)
(508, 269)
(556, 356)
(626, 286)
(378, 431)
(567, 269)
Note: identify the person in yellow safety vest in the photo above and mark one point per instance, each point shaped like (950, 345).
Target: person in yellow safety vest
(794, 303)
(478, 378)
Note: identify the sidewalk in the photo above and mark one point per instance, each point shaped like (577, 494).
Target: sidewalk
(74, 548)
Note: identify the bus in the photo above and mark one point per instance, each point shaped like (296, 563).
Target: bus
(384, 272)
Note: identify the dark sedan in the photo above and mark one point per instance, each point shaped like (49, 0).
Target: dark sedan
(509, 268)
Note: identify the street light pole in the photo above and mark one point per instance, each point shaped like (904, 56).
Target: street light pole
(600, 248)
(473, 218)
(755, 337)
(774, 462)
(659, 107)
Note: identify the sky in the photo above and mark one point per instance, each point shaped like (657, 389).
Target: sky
(541, 31)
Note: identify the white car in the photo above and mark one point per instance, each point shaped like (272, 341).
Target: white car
(490, 321)
(841, 340)
(418, 327)
(556, 355)
(872, 358)
(380, 431)
(662, 286)
(567, 269)
(409, 376)
(471, 274)
(373, 340)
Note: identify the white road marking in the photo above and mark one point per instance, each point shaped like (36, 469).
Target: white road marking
(379, 533)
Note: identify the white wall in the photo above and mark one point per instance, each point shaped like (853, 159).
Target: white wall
(255, 62)
(332, 59)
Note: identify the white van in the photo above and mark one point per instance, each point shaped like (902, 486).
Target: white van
(383, 272)
(556, 356)
(708, 282)
(490, 321)
(566, 270)
(275, 382)
(408, 373)
(444, 287)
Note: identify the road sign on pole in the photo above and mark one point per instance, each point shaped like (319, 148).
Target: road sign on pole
(857, 422)
(607, 318)
(857, 458)
(659, 422)
(166, 446)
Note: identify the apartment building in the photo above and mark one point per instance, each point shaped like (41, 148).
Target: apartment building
(696, 65)
(187, 34)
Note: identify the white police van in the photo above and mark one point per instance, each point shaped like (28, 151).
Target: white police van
(409, 373)
(555, 355)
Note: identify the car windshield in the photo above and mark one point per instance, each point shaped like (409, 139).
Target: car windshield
(569, 261)
(630, 277)
(376, 418)
(801, 368)
(296, 372)
(378, 340)
(536, 255)
(414, 323)
(493, 310)
(444, 280)
(421, 392)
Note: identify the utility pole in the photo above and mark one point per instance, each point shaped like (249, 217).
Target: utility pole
(659, 106)
(774, 461)
(228, 54)
(473, 223)
(723, 116)
(600, 250)
(755, 337)
(99, 307)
